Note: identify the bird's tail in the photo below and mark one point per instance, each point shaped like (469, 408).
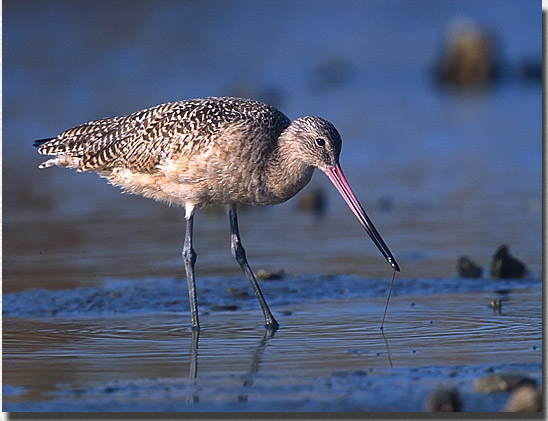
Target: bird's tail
(61, 160)
(40, 142)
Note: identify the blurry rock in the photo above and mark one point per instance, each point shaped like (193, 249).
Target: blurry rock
(468, 58)
(272, 95)
(526, 398)
(503, 382)
(224, 307)
(238, 293)
(443, 400)
(332, 73)
(312, 201)
(505, 266)
(386, 204)
(530, 70)
(467, 268)
(269, 275)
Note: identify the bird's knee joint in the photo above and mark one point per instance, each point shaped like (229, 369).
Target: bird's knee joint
(238, 252)
(189, 255)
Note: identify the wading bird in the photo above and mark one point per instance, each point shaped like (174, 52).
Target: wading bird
(219, 150)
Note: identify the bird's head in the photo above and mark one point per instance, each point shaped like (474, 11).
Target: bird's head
(315, 141)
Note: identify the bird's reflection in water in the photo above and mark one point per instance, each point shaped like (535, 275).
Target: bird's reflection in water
(256, 361)
(193, 371)
(253, 368)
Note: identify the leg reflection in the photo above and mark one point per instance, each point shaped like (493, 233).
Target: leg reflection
(253, 368)
(193, 371)
(256, 361)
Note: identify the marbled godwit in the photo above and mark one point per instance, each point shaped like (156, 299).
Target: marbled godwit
(194, 153)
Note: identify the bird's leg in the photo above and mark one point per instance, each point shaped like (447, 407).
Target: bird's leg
(189, 257)
(239, 254)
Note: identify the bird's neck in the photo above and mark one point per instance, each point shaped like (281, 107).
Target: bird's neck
(286, 174)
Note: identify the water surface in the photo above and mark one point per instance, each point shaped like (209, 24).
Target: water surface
(94, 299)
(109, 349)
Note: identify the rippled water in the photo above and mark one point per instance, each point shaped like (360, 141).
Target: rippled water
(94, 299)
(329, 353)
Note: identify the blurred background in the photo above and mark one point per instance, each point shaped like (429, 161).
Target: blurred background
(438, 105)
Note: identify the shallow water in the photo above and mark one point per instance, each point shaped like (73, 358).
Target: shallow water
(94, 299)
(108, 349)
(441, 173)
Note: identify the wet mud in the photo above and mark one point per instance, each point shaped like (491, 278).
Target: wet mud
(127, 345)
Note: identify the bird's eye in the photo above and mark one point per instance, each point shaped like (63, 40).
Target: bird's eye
(320, 142)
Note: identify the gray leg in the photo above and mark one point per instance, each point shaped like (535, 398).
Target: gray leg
(239, 253)
(189, 257)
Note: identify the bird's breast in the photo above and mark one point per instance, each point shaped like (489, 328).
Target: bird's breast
(218, 173)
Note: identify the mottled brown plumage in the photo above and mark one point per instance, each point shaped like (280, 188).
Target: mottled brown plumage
(212, 150)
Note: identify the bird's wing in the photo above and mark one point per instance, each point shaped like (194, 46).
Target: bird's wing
(140, 141)
(109, 142)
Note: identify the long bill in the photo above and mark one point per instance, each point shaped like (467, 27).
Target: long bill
(335, 174)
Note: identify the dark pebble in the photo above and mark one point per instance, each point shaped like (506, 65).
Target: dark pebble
(504, 266)
(386, 204)
(312, 201)
(269, 275)
(226, 307)
(496, 305)
(237, 292)
(332, 73)
(530, 70)
(467, 268)
(443, 400)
